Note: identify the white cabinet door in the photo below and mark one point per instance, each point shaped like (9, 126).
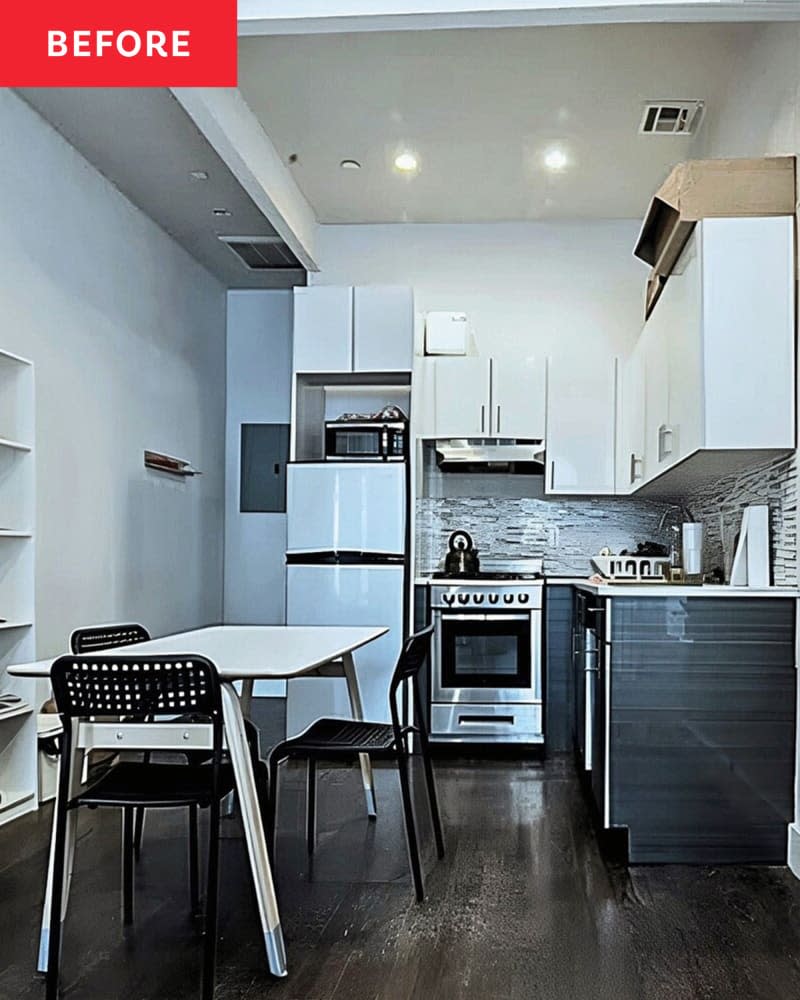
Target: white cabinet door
(680, 321)
(631, 426)
(346, 507)
(656, 381)
(383, 328)
(345, 595)
(461, 397)
(749, 332)
(581, 426)
(323, 329)
(519, 398)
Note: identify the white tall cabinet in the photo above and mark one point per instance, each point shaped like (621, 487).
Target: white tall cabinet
(18, 761)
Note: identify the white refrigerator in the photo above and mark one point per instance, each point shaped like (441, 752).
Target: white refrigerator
(346, 565)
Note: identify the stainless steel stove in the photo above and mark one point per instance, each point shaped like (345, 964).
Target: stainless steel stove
(487, 655)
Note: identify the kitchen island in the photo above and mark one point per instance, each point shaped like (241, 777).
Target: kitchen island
(681, 708)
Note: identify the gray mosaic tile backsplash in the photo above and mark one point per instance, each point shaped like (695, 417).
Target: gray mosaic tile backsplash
(510, 517)
(720, 508)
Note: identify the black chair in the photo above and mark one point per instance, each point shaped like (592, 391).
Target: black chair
(94, 639)
(344, 739)
(140, 688)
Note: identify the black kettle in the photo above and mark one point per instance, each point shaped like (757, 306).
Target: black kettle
(462, 559)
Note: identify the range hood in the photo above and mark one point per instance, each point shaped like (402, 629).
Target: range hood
(490, 455)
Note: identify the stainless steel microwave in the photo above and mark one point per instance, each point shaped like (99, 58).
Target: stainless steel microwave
(366, 441)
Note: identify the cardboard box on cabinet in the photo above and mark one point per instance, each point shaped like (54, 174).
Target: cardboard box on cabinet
(703, 189)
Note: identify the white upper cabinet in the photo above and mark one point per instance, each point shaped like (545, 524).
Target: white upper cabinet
(631, 422)
(748, 357)
(581, 426)
(519, 398)
(718, 348)
(323, 329)
(353, 329)
(489, 397)
(461, 397)
(383, 328)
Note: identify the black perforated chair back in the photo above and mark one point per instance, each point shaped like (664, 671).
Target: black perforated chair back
(136, 686)
(415, 652)
(413, 656)
(98, 637)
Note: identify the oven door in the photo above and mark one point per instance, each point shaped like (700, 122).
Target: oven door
(487, 658)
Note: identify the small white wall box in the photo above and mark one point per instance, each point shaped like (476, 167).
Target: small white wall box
(446, 333)
(751, 561)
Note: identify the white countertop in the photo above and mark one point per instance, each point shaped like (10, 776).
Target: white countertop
(672, 589)
(618, 589)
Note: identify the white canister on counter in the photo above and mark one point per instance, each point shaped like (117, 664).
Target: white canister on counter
(693, 549)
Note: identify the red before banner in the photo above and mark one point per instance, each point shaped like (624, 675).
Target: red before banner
(103, 43)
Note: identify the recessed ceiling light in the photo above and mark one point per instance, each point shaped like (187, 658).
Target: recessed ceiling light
(222, 212)
(555, 159)
(198, 175)
(350, 165)
(406, 162)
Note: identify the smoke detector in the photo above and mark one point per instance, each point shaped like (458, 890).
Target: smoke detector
(671, 117)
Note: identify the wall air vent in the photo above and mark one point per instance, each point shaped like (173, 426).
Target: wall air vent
(262, 253)
(671, 117)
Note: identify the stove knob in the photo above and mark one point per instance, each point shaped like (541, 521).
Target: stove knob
(448, 598)
(523, 598)
(463, 598)
(508, 598)
(494, 598)
(477, 598)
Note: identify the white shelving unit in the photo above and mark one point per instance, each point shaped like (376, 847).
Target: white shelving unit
(18, 738)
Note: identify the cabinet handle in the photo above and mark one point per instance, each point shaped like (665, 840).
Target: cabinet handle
(498, 419)
(665, 433)
(552, 473)
(636, 467)
(483, 419)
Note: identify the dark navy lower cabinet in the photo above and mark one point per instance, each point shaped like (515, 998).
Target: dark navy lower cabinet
(701, 742)
(558, 669)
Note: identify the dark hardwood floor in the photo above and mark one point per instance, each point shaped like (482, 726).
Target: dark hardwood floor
(523, 907)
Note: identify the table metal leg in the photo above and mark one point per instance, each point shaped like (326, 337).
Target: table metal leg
(358, 713)
(246, 705)
(246, 698)
(253, 830)
(76, 765)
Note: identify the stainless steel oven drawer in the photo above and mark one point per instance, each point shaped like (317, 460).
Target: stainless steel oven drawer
(487, 723)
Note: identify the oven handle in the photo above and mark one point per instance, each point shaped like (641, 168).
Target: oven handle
(523, 616)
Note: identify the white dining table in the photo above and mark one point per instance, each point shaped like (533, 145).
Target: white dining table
(243, 653)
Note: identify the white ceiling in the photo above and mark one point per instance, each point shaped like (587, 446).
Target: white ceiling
(143, 141)
(480, 107)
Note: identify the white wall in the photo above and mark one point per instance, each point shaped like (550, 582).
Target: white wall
(127, 333)
(761, 115)
(259, 391)
(555, 287)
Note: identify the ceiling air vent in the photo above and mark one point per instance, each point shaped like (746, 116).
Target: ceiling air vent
(671, 117)
(262, 253)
